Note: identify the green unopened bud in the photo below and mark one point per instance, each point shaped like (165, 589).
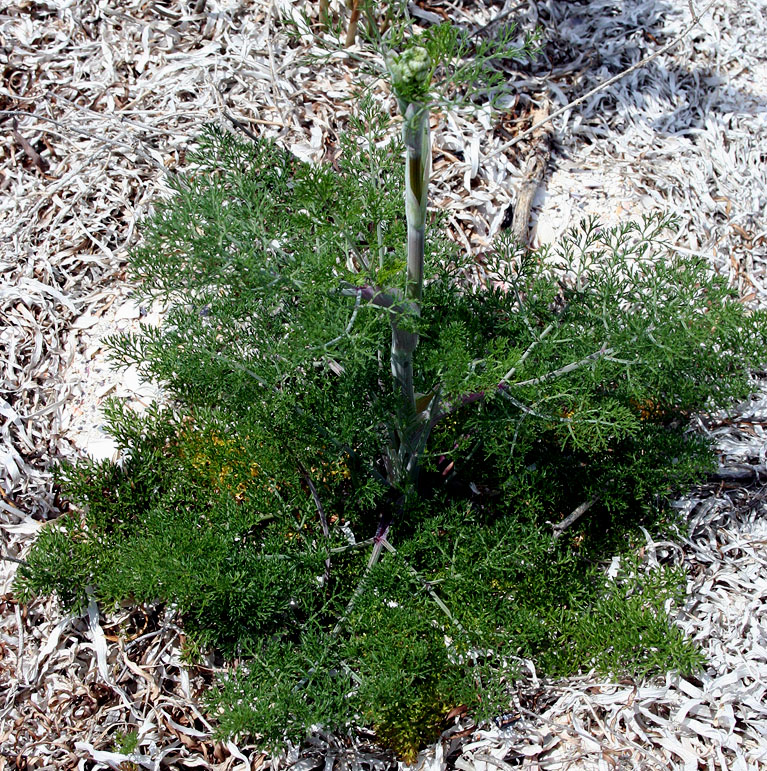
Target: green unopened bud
(411, 73)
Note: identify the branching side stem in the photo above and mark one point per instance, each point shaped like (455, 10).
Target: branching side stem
(573, 517)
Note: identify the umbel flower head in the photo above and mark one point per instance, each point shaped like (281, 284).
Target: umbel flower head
(410, 73)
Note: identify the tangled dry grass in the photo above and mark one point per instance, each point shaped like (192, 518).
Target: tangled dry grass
(99, 102)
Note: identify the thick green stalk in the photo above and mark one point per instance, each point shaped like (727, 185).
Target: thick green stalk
(416, 136)
(403, 345)
(411, 75)
(415, 133)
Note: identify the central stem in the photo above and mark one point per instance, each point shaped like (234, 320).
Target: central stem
(415, 134)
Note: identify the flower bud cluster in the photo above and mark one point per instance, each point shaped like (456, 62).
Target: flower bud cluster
(411, 73)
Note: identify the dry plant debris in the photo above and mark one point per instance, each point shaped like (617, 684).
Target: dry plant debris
(99, 101)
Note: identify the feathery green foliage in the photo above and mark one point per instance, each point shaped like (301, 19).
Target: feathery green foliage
(266, 503)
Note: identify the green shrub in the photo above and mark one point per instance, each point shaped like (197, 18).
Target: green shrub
(328, 409)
